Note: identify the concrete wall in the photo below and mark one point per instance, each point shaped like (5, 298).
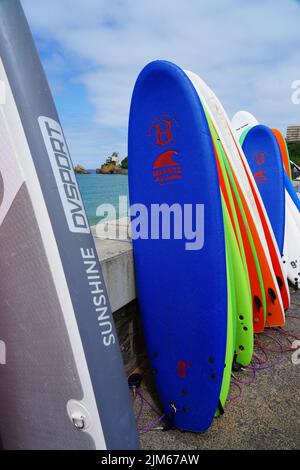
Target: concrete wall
(116, 259)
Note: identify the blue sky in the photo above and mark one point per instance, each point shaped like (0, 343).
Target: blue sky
(93, 50)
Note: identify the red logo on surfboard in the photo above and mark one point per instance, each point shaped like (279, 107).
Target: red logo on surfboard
(260, 177)
(182, 368)
(260, 158)
(165, 169)
(163, 130)
(165, 159)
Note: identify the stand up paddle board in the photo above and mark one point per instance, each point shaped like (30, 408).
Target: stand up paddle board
(63, 385)
(181, 284)
(264, 158)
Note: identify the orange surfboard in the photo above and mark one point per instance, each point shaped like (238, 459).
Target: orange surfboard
(275, 313)
(284, 153)
(259, 313)
(271, 242)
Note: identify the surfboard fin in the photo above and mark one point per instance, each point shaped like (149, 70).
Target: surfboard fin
(235, 365)
(220, 408)
(169, 420)
(257, 302)
(272, 295)
(280, 282)
(134, 380)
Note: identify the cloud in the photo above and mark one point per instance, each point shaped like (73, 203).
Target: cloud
(246, 51)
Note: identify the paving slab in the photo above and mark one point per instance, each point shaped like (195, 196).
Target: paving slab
(266, 416)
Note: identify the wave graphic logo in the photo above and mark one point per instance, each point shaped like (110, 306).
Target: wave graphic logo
(165, 169)
(260, 177)
(166, 159)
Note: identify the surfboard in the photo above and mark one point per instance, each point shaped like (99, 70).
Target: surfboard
(248, 253)
(231, 315)
(292, 234)
(242, 311)
(241, 122)
(275, 286)
(182, 292)
(291, 249)
(295, 234)
(247, 120)
(252, 197)
(284, 151)
(291, 190)
(241, 281)
(63, 385)
(264, 158)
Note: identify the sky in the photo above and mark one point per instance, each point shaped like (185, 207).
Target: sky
(93, 51)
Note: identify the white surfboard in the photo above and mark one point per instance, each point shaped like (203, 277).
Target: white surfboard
(293, 209)
(292, 232)
(291, 248)
(241, 121)
(239, 163)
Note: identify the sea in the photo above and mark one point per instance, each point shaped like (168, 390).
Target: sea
(97, 189)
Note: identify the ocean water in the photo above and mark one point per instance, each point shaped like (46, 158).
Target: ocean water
(102, 189)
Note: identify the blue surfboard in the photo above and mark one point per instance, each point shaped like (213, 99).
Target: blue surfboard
(291, 190)
(263, 154)
(182, 289)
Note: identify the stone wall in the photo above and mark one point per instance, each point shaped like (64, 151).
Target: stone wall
(130, 335)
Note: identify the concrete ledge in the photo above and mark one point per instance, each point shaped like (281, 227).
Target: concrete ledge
(116, 258)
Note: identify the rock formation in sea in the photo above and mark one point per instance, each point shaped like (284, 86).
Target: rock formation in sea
(80, 170)
(112, 166)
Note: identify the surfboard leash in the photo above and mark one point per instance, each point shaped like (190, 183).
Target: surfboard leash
(134, 383)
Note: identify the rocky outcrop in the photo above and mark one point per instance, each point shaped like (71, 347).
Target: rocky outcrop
(111, 169)
(80, 170)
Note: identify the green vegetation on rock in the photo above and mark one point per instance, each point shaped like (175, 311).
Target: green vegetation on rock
(124, 163)
(294, 151)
